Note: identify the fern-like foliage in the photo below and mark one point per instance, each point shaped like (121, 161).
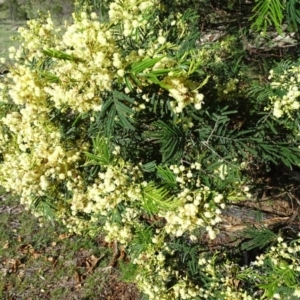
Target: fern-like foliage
(61, 55)
(43, 66)
(221, 140)
(167, 177)
(277, 152)
(188, 257)
(293, 13)
(267, 12)
(149, 167)
(284, 65)
(170, 137)
(220, 137)
(260, 93)
(190, 16)
(116, 112)
(257, 238)
(142, 239)
(46, 206)
(288, 292)
(277, 276)
(156, 199)
(102, 153)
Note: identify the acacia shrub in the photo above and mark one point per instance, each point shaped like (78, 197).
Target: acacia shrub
(127, 128)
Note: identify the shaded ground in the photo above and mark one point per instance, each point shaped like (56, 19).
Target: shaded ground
(48, 263)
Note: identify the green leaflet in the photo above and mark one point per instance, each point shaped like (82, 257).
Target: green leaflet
(102, 154)
(116, 110)
(257, 238)
(170, 137)
(144, 64)
(156, 199)
(266, 13)
(61, 55)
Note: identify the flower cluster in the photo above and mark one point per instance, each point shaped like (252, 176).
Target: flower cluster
(282, 255)
(184, 92)
(286, 89)
(66, 88)
(131, 15)
(154, 275)
(222, 280)
(200, 207)
(68, 72)
(87, 57)
(279, 266)
(36, 159)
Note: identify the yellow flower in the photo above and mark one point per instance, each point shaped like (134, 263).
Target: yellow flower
(161, 40)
